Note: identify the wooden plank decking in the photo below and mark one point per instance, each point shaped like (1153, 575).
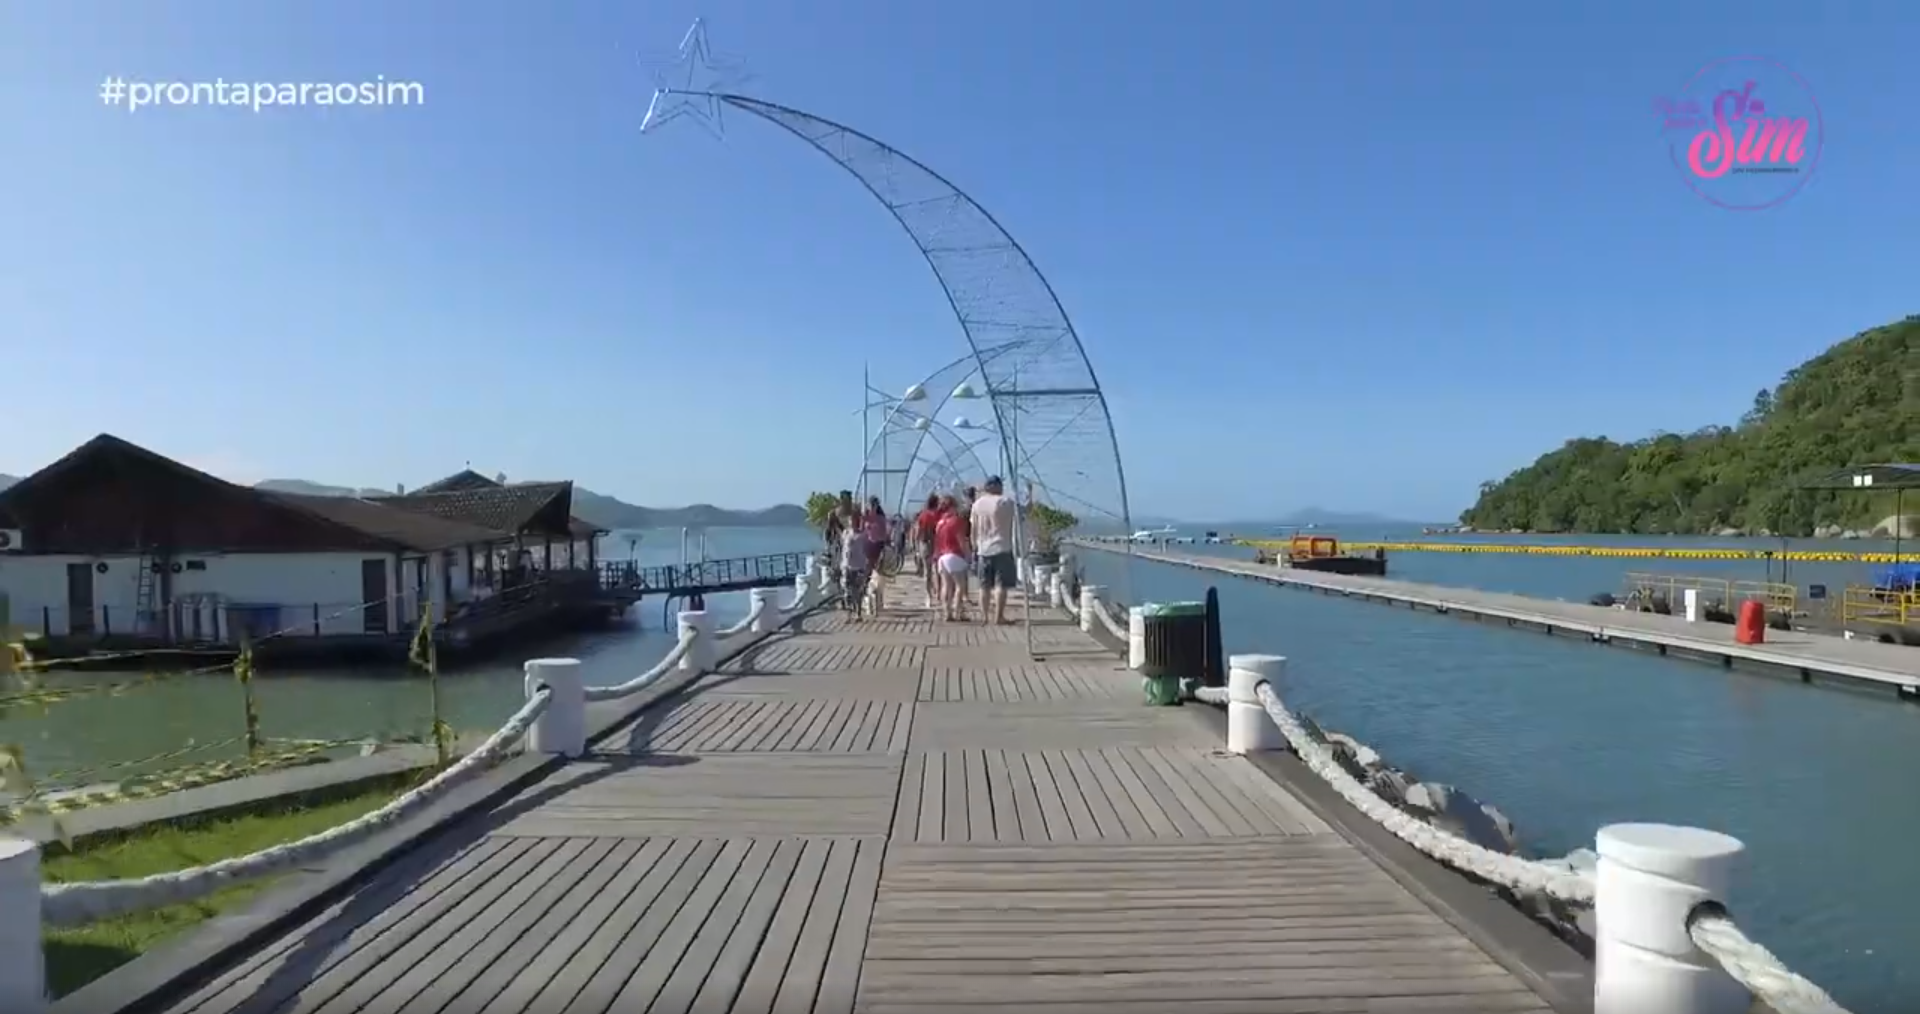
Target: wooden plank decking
(1861, 661)
(899, 817)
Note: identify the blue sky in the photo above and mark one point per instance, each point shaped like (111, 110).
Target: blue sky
(1361, 255)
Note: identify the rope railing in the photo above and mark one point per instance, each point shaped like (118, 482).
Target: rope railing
(1654, 968)
(74, 904)
(552, 721)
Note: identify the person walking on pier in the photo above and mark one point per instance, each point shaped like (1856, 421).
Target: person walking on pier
(993, 543)
(838, 521)
(950, 556)
(854, 571)
(878, 533)
(923, 531)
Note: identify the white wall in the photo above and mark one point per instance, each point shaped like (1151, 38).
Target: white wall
(296, 582)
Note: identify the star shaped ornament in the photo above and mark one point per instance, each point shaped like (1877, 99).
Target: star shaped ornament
(690, 83)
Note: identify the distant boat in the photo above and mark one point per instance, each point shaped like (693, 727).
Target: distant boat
(1164, 534)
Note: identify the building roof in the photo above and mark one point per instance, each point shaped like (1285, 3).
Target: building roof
(112, 494)
(467, 480)
(422, 532)
(464, 479)
(540, 507)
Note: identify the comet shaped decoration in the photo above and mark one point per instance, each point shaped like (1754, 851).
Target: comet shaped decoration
(690, 83)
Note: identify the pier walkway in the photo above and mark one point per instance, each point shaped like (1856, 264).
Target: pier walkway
(896, 816)
(1806, 655)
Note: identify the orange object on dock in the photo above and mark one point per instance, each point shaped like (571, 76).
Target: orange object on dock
(1751, 627)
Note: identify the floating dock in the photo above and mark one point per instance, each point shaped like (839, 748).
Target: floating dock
(1808, 657)
(1621, 552)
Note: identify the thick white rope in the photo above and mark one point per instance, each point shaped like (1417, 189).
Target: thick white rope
(78, 903)
(1712, 930)
(759, 607)
(1755, 967)
(1509, 871)
(1067, 603)
(1211, 695)
(648, 678)
(1107, 621)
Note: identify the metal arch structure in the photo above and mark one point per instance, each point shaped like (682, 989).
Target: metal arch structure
(895, 450)
(1050, 411)
(894, 476)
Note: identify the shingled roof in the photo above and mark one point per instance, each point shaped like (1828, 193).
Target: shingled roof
(422, 532)
(540, 508)
(464, 479)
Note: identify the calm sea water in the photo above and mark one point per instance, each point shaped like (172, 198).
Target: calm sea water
(1562, 736)
(1565, 736)
(390, 702)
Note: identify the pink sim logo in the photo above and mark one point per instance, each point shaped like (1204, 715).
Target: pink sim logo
(1745, 133)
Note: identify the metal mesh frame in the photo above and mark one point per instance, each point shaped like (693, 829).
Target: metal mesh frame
(1049, 411)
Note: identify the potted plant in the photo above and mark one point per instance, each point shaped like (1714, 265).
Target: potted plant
(1049, 523)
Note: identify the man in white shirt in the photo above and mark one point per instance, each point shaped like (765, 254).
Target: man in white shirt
(992, 523)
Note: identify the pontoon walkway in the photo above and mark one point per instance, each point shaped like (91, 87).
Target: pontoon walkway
(1808, 656)
(887, 817)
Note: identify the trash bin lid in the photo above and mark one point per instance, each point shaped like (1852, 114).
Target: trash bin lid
(1158, 609)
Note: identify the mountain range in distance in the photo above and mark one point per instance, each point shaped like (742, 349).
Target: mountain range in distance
(603, 510)
(1316, 516)
(610, 512)
(597, 508)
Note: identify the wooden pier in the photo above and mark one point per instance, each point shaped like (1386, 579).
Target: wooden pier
(1805, 656)
(895, 816)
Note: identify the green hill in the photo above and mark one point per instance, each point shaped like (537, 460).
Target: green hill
(1857, 403)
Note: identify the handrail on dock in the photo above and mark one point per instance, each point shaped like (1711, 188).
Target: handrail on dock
(1864, 604)
(1728, 593)
(1664, 936)
(706, 576)
(552, 721)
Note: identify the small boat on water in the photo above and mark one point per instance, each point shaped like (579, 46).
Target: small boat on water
(1323, 553)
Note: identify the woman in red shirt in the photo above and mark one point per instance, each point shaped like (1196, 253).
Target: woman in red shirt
(923, 526)
(950, 554)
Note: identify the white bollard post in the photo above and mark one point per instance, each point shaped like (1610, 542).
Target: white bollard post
(1249, 728)
(802, 591)
(1650, 877)
(1136, 638)
(562, 728)
(1059, 597)
(699, 657)
(23, 977)
(766, 615)
(823, 579)
(1089, 601)
(1037, 579)
(1691, 601)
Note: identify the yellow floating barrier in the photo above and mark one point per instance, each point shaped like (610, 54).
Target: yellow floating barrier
(1623, 552)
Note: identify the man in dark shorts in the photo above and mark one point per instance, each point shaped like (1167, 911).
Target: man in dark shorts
(992, 517)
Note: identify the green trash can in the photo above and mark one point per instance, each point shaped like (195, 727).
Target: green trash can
(1176, 648)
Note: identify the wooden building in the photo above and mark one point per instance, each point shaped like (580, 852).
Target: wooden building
(114, 543)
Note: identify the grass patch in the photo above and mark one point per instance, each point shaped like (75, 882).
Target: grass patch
(82, 954)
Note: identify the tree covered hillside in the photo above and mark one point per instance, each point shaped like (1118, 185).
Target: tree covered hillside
(1857, 403)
